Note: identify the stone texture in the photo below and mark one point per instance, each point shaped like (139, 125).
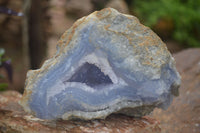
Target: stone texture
(64, 13)
(183, 116)
(106, 63)
(14, 119)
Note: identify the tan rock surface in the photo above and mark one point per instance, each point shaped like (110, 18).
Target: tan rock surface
(14, 119)
(64, 13)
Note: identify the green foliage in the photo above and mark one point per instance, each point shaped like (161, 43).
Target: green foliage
(3, 86)
(184, 13)
(2, 52)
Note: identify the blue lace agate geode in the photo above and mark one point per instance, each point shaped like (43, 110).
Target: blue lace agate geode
(106, 63)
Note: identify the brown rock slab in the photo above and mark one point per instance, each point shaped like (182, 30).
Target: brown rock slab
(183, 116)
(14, 119)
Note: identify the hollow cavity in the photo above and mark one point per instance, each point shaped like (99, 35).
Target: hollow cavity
(91, 75)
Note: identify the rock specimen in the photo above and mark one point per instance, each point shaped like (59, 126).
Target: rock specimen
(106, 63)
(14, 120)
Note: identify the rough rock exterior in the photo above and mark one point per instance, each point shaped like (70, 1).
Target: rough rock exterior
(106, 63)
(183, 116)
(14, 120)
(173, 120)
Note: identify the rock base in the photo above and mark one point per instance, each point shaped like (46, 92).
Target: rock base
(14, 119)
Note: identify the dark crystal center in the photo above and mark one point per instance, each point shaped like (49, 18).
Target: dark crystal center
(90, 75)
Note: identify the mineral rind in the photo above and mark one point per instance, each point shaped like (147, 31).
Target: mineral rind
(105, 63)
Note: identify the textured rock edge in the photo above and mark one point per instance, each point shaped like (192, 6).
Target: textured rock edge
(14, 119)
(65, 40)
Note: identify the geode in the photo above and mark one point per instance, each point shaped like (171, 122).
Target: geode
(105, 63)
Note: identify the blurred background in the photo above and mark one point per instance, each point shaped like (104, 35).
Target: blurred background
(26, 41)
(30, 29)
